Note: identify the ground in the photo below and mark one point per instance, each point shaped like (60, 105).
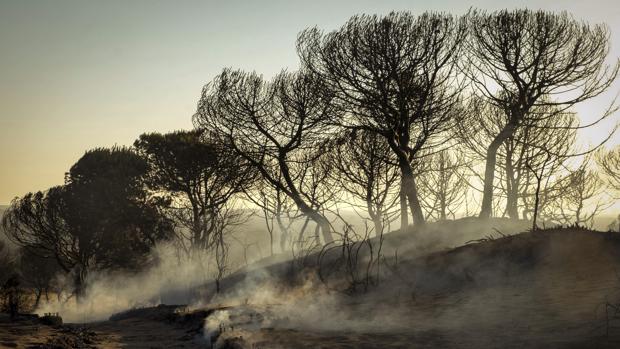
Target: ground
(557, 288)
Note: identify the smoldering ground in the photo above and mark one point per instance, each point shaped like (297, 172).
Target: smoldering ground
(543, 289)
(173, 279)
(528, 288)
(176, 278)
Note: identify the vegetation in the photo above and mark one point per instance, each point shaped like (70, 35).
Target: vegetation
(427, 117)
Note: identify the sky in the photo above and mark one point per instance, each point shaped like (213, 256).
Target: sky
(80, 74)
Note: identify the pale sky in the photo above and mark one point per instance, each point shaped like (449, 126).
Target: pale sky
(80, 74)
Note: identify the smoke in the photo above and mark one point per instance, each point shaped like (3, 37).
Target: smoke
(265, 297)
(511, 288)
(174, 279)
(264, 301)
(177, 279)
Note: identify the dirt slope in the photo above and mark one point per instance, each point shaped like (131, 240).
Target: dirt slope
(544, 289)
(547, 289)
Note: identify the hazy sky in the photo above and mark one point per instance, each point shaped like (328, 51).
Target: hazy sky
(80, 74)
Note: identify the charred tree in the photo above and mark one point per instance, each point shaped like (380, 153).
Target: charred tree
(525, 59)
(277, 127)
(394, 75)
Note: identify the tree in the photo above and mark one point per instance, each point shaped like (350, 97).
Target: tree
(102, 218)
(522, 59)
(366, 171)
(395, 76)
(277, 127)
(581, 199)
(277, 209)
(443, 184)
(198, 175)
(7, 262)
(513, 179)
(528, 147)
(38, 270)
(13, 295)
(609, 162)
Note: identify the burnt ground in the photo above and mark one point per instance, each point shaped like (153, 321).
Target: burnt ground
(158, 327)
(557, 288)
(30, 332)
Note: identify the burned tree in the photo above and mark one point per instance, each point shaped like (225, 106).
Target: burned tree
(102, 218)
(367, 173)
(37, 221)
(198, 176)
(581, 198)
(277, 210)
(514, 181)
(553, 138)
(38, 270)
(8, 268)
(609, 162)
(276, 126)
(443, 184)
(522, 59)
(395, 76)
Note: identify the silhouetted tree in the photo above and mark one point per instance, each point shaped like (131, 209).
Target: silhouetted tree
(7, 262)
(443, 184)
(581, 198)
(38, 270)
(102, 218)
(364, 168)
(277, 210)
(395, 76)
(198, 175)
(13, 295)
(513, 179)
(522, 59)
(609, 162)
(277, 127)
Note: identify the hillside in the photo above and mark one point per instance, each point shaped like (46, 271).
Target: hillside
(545, 289)
(553, 288)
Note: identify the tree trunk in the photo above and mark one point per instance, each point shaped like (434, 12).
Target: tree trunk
(375, 216)
(270, 228)
(404, 209)
(80, 283)
(302, 230)
(284, 234)
(196, 231)
(303, 206)
(442, 207)
(536, 203)
(411, 191)
(326, 229)
(442, 191)
(321, 221)
(408, 186)
(489, 172)
(512, 188)
(38, 292)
